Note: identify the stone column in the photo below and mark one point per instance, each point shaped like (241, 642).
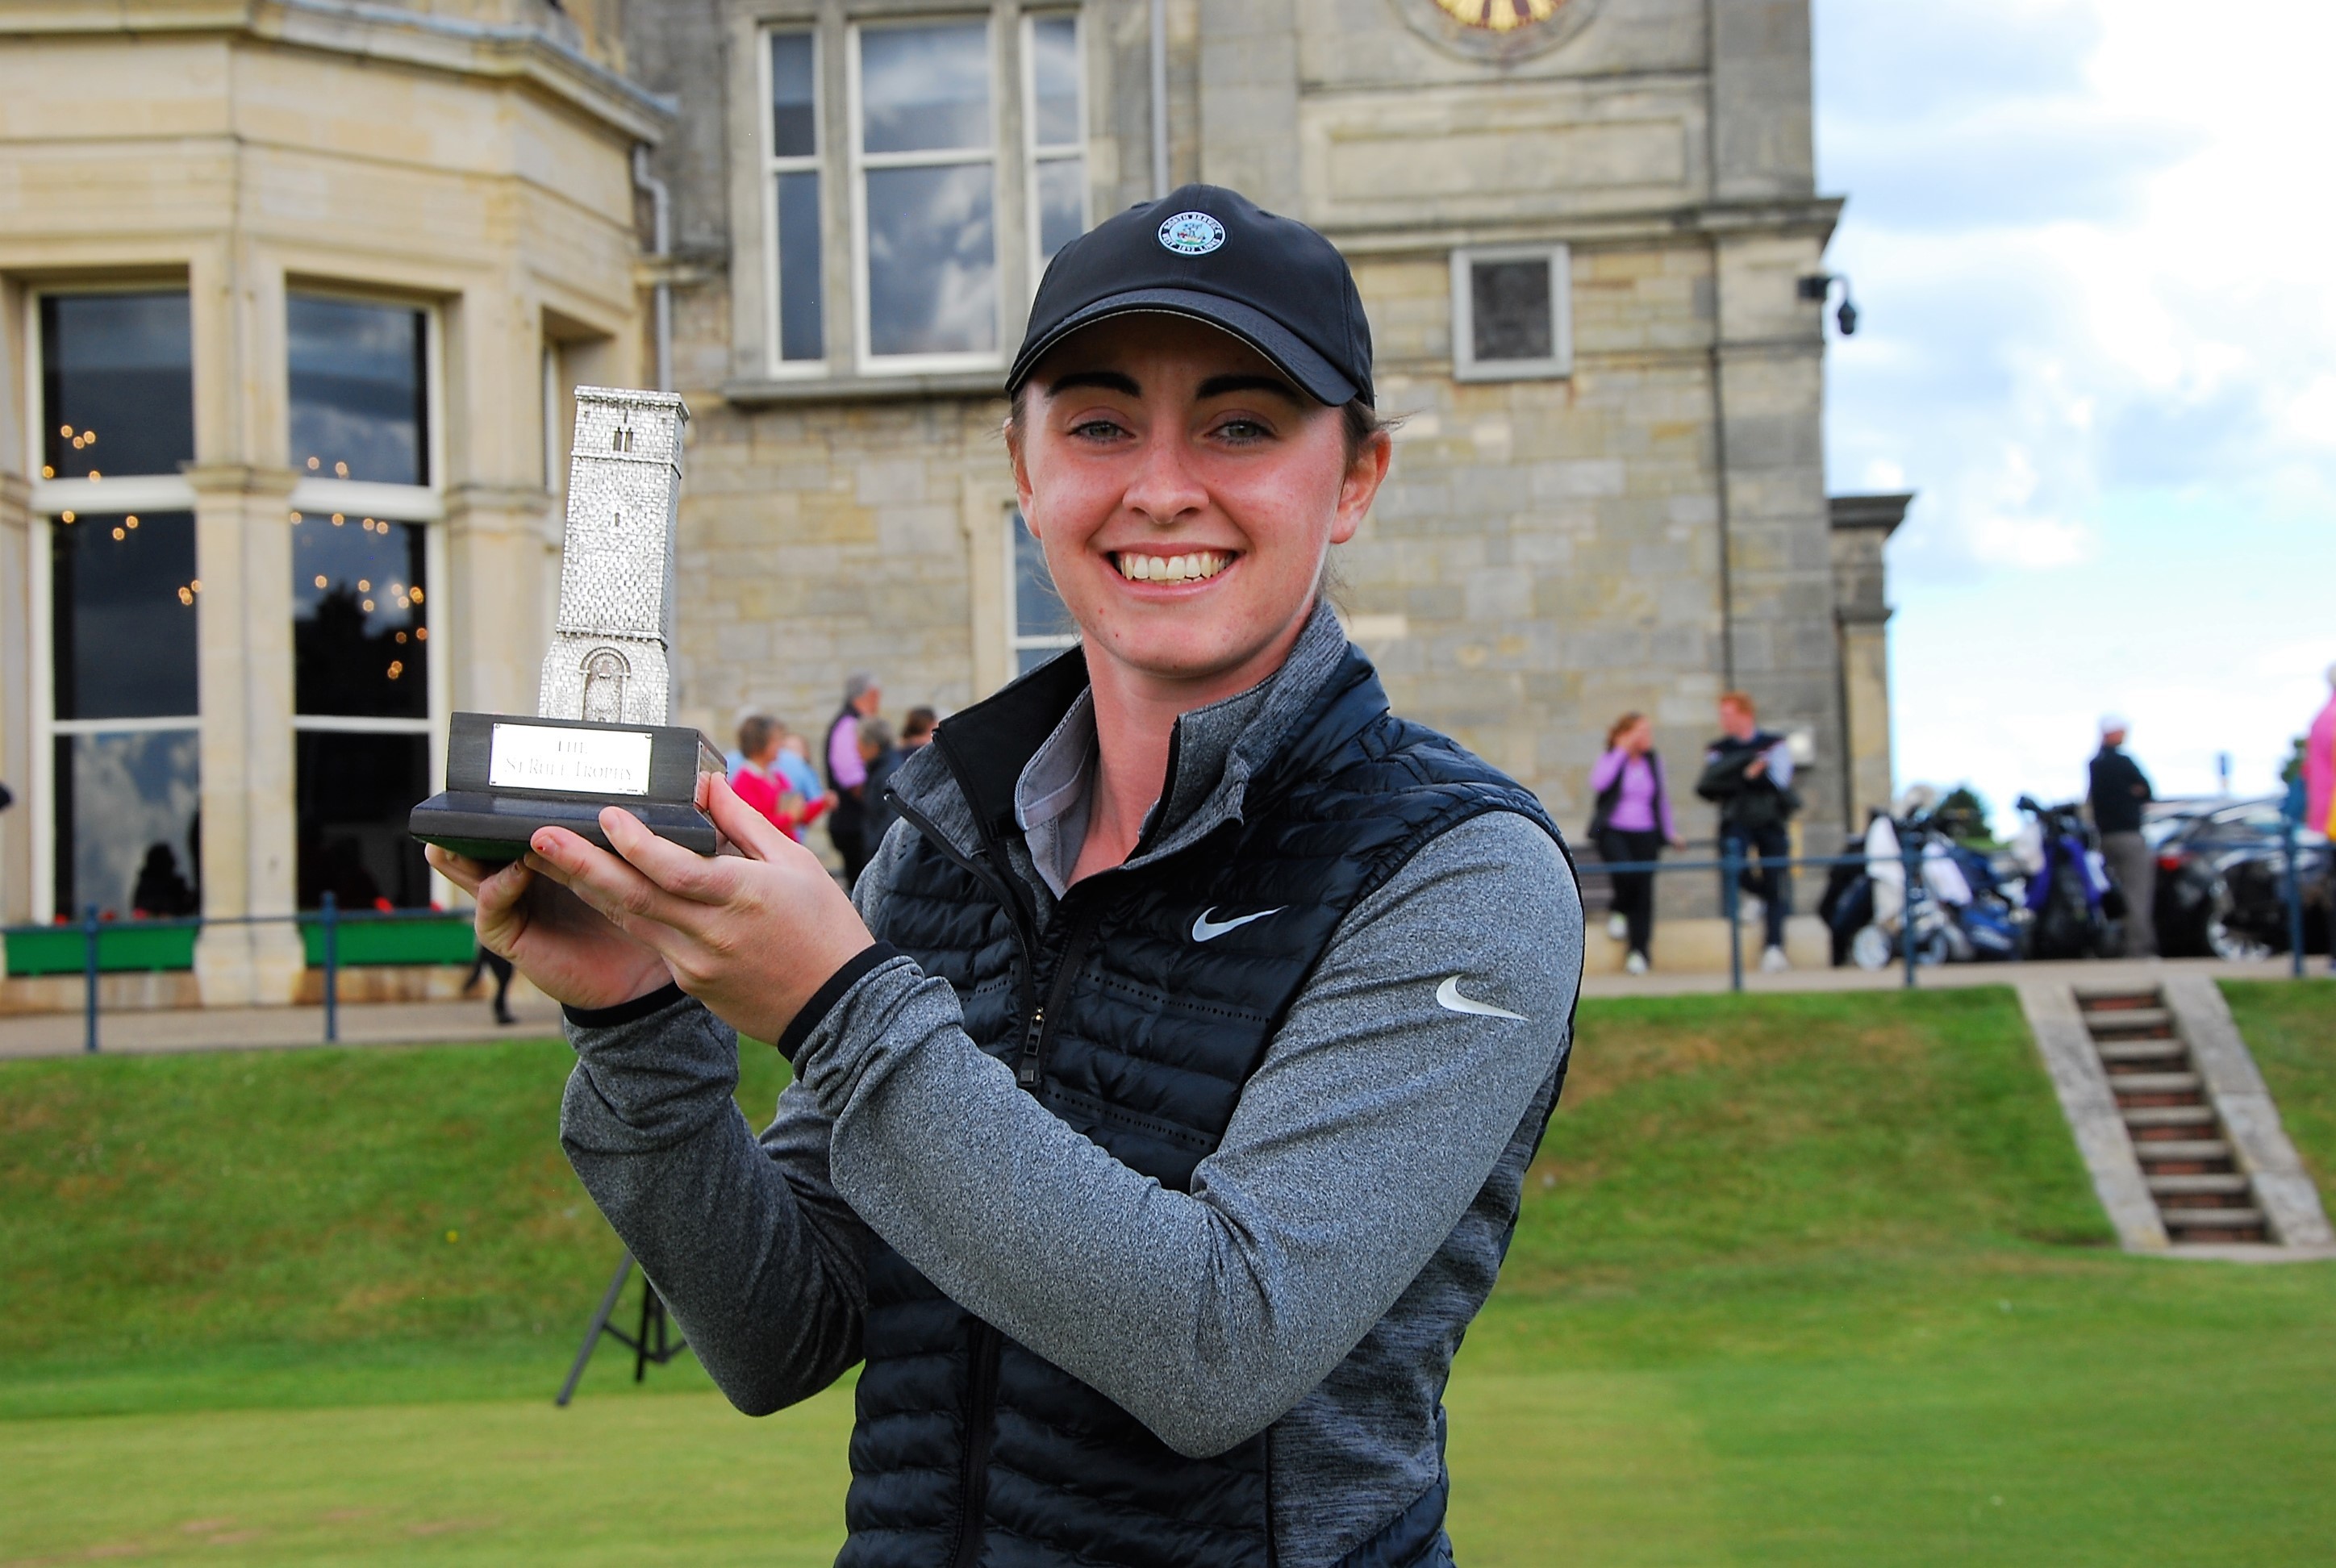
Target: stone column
(243, 631)
(1861, 525)
(16, 826)
(502, 555)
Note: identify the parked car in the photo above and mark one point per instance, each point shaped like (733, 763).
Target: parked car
(2222, 889)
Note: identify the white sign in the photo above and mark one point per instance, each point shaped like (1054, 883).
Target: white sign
(533, 756)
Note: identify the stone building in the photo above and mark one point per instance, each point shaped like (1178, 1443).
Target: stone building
(304, 284)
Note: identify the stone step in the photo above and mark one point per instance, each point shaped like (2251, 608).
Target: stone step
(2156, 1083)
(2090, 999)
(2126, 1020)
(2158, 1117)
(2117, 1053)
(2157, 1149)
(2192, 1186)
(2211, 1219)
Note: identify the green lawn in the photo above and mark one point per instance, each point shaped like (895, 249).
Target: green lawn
(1800, 1279)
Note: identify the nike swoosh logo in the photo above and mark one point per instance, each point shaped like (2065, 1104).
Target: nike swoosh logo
(1448, 998)
(1205, 930)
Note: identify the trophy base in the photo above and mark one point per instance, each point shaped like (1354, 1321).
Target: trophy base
(508, 776)
(495, 828)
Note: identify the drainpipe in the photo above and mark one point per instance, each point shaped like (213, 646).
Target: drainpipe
(661, 228)
(1159, 99)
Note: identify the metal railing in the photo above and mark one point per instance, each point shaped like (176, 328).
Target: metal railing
(1731, 864)
(329, 921)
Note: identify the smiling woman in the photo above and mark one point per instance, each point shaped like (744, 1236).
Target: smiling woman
(1162, 1107)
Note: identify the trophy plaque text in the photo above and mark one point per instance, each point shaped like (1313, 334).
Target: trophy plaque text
(602, 734)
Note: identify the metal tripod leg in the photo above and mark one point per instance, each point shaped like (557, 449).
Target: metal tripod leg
(599, 1323)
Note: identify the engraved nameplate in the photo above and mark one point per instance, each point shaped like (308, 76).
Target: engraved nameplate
(596, 762)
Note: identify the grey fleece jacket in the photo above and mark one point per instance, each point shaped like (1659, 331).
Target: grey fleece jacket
(1320, 1270)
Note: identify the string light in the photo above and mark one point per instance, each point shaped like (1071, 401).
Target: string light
(422, 634)
(131, 519)
(122, 533)
(397, 668)
(417, 595)
(48, 471)
(315, 464)
(364, 585)
(186, 596)
(340, 471)
(89, 437)
(92, 473)
(197, 584)
(320, 579)
(65, 431)
(369, 606)
(67, 516)
(401, 637)
(295, 516)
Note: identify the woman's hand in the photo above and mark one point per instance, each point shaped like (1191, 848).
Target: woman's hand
(751, 935)
(1677, 842)
(568, 952)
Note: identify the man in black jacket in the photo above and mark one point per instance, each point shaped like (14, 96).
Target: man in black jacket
(2119, 790)
(1749, 773)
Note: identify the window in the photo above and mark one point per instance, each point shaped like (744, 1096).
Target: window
(799, 332)
(1040, 624)
(1054, 119)
(363, 699)
(1511, 316)
(119, 760)
(923, 151)
(951, 174)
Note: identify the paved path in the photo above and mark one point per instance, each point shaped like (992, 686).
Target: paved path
(2138, 972)
(410, 1023)
(131, 1032)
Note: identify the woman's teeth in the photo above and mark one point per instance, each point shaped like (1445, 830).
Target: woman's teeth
(1193, 568)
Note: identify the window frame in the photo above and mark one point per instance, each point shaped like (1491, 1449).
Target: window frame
(772, 165)
(1017, 643)
(51, 498)
(865, 361)
(1559, 364)
(1035, 152)
(422, 504)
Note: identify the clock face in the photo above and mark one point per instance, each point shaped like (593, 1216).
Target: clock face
(1500, 15)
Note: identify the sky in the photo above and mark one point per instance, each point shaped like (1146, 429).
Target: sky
(2094, 255)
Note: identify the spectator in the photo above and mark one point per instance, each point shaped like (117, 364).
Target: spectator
(883, 759)
(1749, 773)
(501, 968)
(2119, 790)
(917, 729)
(1631, 821)
(2320, 766)
(794, 765)
(847, 774)
(760, 783)
(161, 893)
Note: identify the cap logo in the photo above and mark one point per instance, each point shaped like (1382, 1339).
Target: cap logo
(1192, 234)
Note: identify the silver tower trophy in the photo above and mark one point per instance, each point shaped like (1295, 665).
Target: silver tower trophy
(603, 735)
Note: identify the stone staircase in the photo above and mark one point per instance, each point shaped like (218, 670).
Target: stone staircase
(2176, 1128)
(2185, 1153)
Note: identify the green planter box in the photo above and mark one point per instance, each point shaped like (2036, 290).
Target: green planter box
(439, 942)
(129, 945)
(58, 950)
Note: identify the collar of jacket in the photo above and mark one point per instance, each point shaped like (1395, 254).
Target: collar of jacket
(1219, 756)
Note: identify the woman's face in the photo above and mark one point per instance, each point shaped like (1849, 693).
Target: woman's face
(1640, 738)
(1185, 493)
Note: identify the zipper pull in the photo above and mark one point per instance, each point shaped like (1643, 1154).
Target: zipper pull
(1027, 1075)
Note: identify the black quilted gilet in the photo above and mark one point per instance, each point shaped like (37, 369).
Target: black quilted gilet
(968, 1449)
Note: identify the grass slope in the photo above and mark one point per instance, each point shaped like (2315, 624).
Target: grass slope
(1800, 1279)
(2291, 1030)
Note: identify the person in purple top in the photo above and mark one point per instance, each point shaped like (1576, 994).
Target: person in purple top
(847, 774)
(1633, 822)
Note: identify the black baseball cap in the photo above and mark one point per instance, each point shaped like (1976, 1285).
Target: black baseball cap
(1214, 255)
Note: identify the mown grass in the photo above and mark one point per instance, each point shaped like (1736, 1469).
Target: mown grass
(1800, 1279)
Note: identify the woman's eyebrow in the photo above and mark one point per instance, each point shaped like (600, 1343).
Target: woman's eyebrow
(1109, 380)
(1226, 385)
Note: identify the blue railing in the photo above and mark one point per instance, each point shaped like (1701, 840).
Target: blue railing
(329, 922)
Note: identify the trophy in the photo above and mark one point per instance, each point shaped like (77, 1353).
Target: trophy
(602, 734)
